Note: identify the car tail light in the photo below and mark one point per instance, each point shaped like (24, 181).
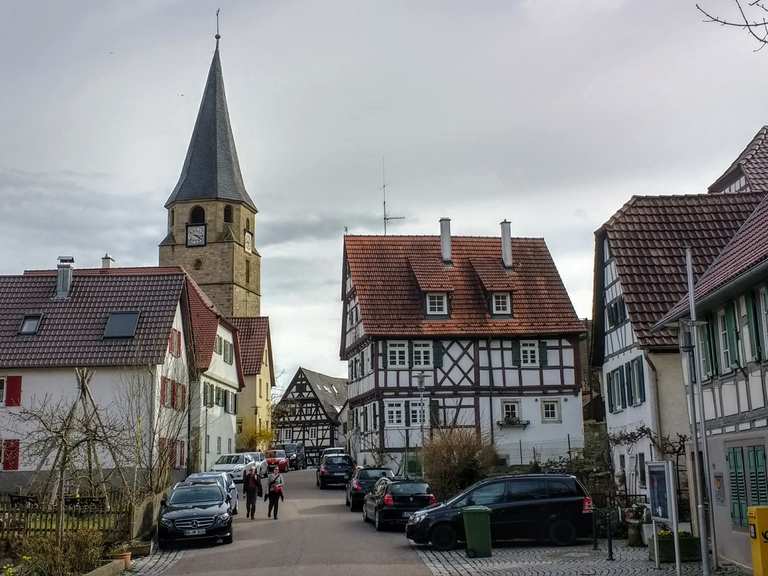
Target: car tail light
(432, 499)
(356, 486)
(586, 505)
(388, 500)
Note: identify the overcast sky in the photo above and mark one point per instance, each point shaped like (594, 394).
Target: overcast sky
(548, 113)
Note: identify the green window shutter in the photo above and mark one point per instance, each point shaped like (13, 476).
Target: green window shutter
(619, 374)
(434, 413)
(628, 383)
(516, 352)
(410, 353)
(407, 413)
(640, 375)
(702, 341)
(609, 391)
(738, 486)
(711, 332)
(754, 338)
(438, 354)
(758, 484)
(730, 326)
(542, 353)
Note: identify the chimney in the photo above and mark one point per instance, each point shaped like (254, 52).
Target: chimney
(445, 240)
(506, 244)
(107, 261)
(64, 276)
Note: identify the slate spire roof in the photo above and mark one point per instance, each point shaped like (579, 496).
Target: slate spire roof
(211, 169)
(752, 163)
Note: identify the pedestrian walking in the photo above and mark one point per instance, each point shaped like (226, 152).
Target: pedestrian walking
(274, 493)
(253, 490)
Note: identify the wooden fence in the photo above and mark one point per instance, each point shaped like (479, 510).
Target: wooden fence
(21, 517)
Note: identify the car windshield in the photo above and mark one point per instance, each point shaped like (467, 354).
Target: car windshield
(338, 460)
(218, 478)
(276, 454)
(373, 474)
(230, 459)
(257, 456)
(200, 494)
(409, 488)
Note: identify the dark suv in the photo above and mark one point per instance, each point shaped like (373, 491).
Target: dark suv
(195, 512)
(552, 507)
(335, 469)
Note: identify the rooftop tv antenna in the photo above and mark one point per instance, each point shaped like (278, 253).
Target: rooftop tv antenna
(387, 217)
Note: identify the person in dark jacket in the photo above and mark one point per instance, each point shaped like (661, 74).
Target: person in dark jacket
(274, 493)
(253, 490)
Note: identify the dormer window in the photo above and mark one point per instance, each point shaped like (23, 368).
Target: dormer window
(29, 325)
(501, 303)
(121, 325)
(437, 304)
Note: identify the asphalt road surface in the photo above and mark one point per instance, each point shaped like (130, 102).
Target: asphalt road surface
(315, 534)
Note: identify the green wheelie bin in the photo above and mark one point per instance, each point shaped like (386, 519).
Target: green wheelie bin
(477, 528)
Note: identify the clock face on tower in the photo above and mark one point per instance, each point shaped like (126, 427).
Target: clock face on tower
(196, 235)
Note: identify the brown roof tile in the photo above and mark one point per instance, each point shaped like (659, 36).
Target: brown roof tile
(391, 301)
(648, 237)
(752, 162)
(253, 334)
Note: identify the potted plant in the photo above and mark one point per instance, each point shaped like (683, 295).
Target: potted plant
(122, 552)
(689, 546)
(634, 516)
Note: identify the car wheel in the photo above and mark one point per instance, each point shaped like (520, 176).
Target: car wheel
(377, 522)
(443, 537)
(562, 533)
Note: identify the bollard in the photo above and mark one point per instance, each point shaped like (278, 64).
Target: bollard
(610, 536)
(595, 512)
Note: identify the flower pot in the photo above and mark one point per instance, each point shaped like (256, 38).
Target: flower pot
(125, 557)
(635, 533)
(689, 549)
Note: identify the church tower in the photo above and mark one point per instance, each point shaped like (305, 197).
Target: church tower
(211, 217)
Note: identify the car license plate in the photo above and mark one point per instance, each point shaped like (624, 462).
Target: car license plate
(407, 514)
(340, 474)
(195, 532)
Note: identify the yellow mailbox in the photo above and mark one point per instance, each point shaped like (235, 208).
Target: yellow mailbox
(758, 538)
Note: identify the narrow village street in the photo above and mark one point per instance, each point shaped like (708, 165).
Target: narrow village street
(314, 535)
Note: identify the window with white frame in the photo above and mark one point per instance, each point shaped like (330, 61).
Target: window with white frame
(397, 354)
(501, 303)
(550, 410)
(725, 343)
(529, 353)
(394, 412)
(511, 410)
(437, 303)
(417, 413)
(422, 354)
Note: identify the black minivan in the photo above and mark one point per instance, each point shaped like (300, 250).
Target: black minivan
(553, 507)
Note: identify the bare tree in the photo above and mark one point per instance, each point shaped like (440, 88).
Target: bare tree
(751, 16)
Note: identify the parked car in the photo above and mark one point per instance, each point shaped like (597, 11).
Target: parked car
(262, 468)
(295, 453)
(331, 452)
(552, 507)
(235, 464)
(277, 458)
(392, 501)
(334, 469)
(223, 479)
(361, 483)
(195, 511)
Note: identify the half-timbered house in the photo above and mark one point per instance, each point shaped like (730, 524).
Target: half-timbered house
(308, 413)
(475, 332)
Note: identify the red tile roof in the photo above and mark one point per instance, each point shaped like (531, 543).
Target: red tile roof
(253, 335)
(752, 162)
(71, 330)
(492, 274)
(431, 275)
(205, 323)
(747, 250)
(391, 300)
(648, 237)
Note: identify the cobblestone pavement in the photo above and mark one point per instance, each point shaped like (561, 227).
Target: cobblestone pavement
(156, 564)
(532, 560)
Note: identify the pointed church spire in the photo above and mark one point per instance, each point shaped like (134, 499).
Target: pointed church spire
(211, 169)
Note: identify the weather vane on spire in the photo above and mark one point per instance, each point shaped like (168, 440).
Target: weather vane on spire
(217, 26)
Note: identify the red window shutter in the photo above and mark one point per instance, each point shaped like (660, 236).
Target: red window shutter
(172, 454)
(163, 390)
(177, 336)
(10, 454)
(13, 391)
(182, 454)
(174, 386)
(170, 342)
(183, 397)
